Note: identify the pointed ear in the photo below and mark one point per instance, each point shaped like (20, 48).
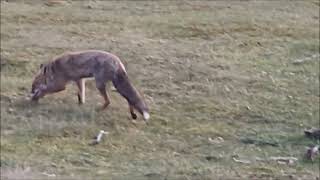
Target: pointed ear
(41, 65)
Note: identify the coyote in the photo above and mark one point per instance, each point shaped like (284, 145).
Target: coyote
(75, 66)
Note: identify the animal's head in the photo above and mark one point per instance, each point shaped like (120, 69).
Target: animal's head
(39, 84)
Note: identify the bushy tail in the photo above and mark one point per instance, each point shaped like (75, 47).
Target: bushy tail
(124, 87)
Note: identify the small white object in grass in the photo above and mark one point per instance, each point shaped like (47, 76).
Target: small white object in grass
(101, 133)
(241, 161)
(98, 137)
(284, 160)
(216, 140)
(10, 110)
(49, 175)
(306, 59)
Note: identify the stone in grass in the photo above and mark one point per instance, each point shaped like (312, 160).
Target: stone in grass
(55, 2)
(216, 140)
(313, 133)
(284, 160)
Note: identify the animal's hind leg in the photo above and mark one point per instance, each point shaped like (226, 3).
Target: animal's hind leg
(81, 93)
(102, 89)
(133, 115)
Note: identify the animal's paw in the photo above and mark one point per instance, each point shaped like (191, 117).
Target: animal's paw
(134, 116)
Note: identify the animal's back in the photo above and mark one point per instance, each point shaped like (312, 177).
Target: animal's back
(79, 57)
(86, 63)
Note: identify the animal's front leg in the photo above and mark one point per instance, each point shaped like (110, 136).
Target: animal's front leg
(81, 91)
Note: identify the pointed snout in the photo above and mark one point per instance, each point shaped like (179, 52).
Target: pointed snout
(34, 96)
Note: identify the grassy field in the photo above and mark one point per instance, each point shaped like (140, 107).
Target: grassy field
(219, 76)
